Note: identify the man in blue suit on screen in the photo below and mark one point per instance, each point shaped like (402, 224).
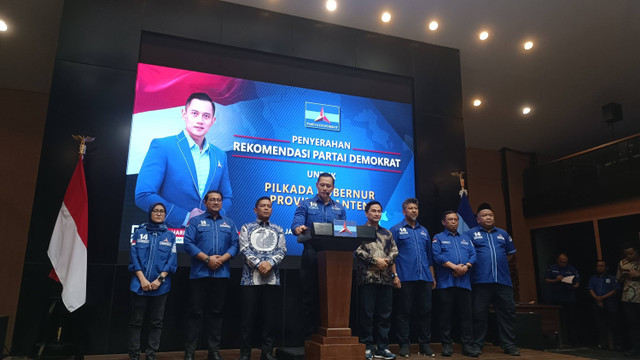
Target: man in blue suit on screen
(178, 170)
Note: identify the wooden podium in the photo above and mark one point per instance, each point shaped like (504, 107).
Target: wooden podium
(335, 264)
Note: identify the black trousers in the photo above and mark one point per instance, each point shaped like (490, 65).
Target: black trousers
(259, 302)
(206, 298)
(140, 304)
(606, 320)
(418, 294)
(455, 300)
(309, 305)
(569, 327)
(632, 316)
(376, 303)
(501, 296)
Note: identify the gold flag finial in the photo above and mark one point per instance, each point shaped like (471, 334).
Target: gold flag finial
(83, 141)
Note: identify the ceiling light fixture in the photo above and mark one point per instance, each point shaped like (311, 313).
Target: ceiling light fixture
(433, 26)
(386, 17)
(3, 26)
(526, 110)
(477, 102)
(528, 45)
(332, 5)
(483, 35)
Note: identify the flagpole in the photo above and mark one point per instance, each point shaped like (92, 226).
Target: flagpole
(68, 246)
(460, 176)
(465, 213)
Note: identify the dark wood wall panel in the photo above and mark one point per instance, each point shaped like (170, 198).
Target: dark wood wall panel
(101, 32)
(384, 53)
(323, 42)
(438, 140)
(89, 100)
(255, 29)
(437, 77)
(191, 19)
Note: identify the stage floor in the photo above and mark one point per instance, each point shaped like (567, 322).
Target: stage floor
(489, 352)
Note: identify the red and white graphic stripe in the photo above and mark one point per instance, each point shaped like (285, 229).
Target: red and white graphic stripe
(68, 246)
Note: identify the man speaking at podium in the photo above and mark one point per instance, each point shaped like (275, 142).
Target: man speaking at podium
(320, 208)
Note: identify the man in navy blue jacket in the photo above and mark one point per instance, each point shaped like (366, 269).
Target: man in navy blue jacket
(564, 280)
(491, 280)
(211, 239)
(454, 256)
(414, 280)
(320, 208)
(603, 288)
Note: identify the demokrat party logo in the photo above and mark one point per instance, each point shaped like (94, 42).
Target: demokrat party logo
(322, 116)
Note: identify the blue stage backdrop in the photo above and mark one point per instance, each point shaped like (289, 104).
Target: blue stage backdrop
(277, 139)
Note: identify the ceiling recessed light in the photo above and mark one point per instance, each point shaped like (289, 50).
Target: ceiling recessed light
(528, 45)
(331, 5)
(526, 110)
(433, 26)
(3, 26)
(386, 17)
(483, 35)
(477, 102)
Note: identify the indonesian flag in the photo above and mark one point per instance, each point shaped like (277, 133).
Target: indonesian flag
(68, 246)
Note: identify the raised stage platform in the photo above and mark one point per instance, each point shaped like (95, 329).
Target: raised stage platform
(490, 352)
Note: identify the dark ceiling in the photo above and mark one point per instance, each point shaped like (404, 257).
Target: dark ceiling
(586, 54)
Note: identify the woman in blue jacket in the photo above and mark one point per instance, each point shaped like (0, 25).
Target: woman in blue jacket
(153, 258)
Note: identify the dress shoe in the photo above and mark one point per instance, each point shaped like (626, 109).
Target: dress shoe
(470, 351)
(447, 350)
(632, 352)
(478, 349)
(214, 356)
(513, 351)
(404, 350)
(265, 356)
(188, 356)
(245, 357)
(425, 350)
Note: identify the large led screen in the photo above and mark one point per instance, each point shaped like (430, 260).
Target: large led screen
(267, 140)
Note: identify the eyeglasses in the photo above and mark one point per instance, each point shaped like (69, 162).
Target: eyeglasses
(158, 211)
(214, 200)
